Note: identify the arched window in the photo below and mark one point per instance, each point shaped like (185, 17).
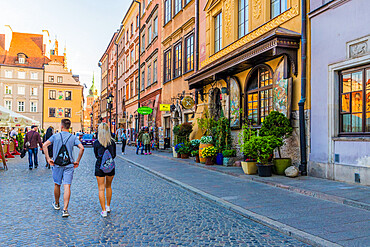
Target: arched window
(258, 94)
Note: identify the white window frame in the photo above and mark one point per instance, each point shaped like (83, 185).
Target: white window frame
(33, 106)
(34, 75)
(21, 104)
(21, 90)
(21, 75)
(8, 104)
(8, 74)
(60, 77)
(8, 89)
(21, 60)
(33, 91)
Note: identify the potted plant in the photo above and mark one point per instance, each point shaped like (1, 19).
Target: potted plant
(249, 165)
(205, 141)
(263, 147)
(184, 150)
(177, 149)
(278, 125)
(222, 137)
(227, 154)
(209, 153)
(175, 130)
(195, 153)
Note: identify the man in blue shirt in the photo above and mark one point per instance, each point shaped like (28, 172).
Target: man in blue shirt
(63, 174)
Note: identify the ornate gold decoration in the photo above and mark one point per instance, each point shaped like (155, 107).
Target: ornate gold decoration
(228, 16)
(188, 102)
(257, 9)
(268, 26)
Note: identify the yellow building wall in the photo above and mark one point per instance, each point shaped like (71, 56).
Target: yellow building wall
(75, 104)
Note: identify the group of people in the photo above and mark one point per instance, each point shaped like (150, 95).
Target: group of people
(143, 141)
(58, 150)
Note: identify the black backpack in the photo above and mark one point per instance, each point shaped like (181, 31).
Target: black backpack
(63, 157)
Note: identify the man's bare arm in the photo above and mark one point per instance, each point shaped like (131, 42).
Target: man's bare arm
(80, 153)
(46, 152)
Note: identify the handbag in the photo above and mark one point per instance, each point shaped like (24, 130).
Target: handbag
(23, 153)
(28, 143)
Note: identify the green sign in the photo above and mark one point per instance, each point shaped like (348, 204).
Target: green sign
(144, 110)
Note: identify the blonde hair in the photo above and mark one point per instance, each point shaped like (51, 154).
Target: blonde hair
(104, 135)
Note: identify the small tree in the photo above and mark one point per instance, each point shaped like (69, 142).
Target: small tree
(278, 125)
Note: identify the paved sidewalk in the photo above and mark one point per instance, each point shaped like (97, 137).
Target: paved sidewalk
(339, 192)
(313, 220)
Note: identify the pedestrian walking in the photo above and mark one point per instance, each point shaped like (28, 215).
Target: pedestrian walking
(124, 141)
(105, 152)
(139, 142)
(49, 133)
(146, 142)
(13, 134)
(63, 164)
(31, 139)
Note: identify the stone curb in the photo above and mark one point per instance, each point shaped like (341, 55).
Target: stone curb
(314, 194)
(280, 227)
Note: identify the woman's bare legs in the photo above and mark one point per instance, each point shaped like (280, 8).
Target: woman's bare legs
(108, 187)
(101, 186)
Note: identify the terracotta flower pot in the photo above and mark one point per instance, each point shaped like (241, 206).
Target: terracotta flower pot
(184, 156)
(209, 161)
(197, 159)
(201, 146)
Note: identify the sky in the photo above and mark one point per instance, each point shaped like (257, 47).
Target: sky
(84, 26)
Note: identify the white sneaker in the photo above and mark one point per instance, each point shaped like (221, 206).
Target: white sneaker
(107, 208)
(104, 214)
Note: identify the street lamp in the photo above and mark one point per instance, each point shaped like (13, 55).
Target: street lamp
(109, 107)
(91, 117)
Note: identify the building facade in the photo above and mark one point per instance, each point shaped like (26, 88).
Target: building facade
(340, 60)
(88, 109)
(63, 97)
(96, 113)
(150, 57)
(103, 64)
(128, 42)
(249, 65)
(22, 62)
(178, 60)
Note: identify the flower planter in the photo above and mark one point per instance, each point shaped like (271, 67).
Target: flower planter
(219, 159)
(201, 146)
(178, 156)
(226, 161)
(264, 170)
(280, 165)
(197, 159)
(209, 161)
(249, 167)
(184, 156)
(174, 152)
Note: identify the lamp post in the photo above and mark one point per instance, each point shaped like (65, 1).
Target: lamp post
(109, 107)
(91, 127)
(139, 67)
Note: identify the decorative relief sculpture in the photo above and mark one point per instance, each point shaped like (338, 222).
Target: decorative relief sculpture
(257, 9)
(359, 49)
(228, 16)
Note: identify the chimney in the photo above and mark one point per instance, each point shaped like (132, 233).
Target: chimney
(8, 37)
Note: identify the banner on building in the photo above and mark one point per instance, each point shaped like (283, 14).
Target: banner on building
(165, 107)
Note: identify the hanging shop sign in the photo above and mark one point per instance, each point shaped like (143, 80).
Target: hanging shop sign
(187, 102)
(145, 110)
(165, 107)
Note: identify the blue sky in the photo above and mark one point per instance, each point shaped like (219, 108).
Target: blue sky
(85, 26)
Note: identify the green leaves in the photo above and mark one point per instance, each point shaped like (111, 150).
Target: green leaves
(276, 124)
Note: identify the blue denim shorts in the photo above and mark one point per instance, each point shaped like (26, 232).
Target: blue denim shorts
(63, 174)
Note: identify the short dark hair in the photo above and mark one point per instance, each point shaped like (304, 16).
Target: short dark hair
(33, 126)
(66, 123)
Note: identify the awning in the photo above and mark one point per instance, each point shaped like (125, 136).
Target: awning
(9, 118)
(234, 59)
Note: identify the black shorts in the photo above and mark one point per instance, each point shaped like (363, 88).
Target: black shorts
(100, 173)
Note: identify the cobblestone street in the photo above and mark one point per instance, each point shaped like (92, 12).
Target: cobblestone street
(146, 211)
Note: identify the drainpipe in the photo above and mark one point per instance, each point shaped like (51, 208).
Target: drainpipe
(302, 124)
(196, 35)
(139, 69)
(116, 120)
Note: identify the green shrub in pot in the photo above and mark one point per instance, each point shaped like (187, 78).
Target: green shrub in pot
(278, 125)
